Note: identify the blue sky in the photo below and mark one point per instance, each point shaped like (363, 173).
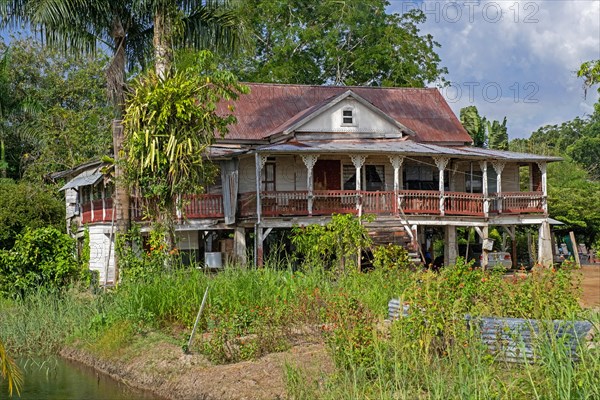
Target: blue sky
(515, 58)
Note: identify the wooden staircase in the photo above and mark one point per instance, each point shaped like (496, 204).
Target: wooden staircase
(397, 236)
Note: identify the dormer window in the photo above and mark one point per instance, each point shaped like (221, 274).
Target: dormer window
(348, 117)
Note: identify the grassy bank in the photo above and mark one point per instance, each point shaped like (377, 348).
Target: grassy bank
(253, 312)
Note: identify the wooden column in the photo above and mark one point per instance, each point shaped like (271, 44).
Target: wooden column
(484, 185)
(499, 167)
(512, 234)
(441, 162)
(260, 161)
(542, 167)
(239, 245)
(545, 254)
(450, 246)
(396, 164)
(358, 161)
(309, 161)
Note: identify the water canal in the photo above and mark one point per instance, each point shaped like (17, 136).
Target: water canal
(58, 379)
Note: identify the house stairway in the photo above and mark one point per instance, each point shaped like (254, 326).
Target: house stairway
(383, 236)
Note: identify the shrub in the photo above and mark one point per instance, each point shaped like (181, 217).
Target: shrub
(42, 257)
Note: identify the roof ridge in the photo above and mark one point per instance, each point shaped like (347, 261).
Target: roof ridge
(340, 86)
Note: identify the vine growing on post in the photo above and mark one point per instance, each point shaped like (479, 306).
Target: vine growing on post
(169, 124)
(335, 245)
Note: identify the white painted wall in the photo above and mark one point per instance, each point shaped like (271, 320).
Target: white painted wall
(99, 251)
(366, 121)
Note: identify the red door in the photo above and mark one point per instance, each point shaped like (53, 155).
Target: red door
(327, 175)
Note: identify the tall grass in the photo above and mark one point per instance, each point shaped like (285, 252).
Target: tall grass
(250, 312)
(402, 368)
(42, 322)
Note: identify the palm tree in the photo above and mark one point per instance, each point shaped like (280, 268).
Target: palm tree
(209, 24)
(125, 27)
(10, 372)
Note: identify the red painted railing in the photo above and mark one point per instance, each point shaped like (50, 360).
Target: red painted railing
(420, 201)
(97, 211)
(458, 203)
(518, 202)
(203, 206)
(327, 202)
(247, 204)
(379, 203)
(284, 203)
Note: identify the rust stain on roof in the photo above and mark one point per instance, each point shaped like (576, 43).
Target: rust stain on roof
(269, 108)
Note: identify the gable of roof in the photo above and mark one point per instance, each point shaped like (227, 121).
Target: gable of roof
(270, 109)
(310, 114)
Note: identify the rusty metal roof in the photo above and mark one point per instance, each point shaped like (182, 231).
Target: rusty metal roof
(375, 146)
(397, 146)
(509, 155)
(269, 108)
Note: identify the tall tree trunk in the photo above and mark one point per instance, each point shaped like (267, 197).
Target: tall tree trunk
(163, 51)
(3, 163)
(116, 87)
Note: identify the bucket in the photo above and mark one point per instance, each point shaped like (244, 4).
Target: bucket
(213, 260)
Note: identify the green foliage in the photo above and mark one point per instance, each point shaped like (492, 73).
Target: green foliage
(328, 42)
(10, 372)
(391, 256)
(475, 125)
(138, 263)
(572, 199)
(169, 123)
(590, 72)
(335, 245)
(586, 152)
(42, 257)
(497, 135)
(25, 205)
(74, 125)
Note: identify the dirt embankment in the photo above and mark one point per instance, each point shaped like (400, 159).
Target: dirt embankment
(590, 286)
(163, 369)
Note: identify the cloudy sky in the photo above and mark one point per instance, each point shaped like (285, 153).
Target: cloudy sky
(515, 58)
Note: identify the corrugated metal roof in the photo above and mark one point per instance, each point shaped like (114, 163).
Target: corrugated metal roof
(86, 178)
(381, 146)
(269, 108)
(398, 146)
(510, 155)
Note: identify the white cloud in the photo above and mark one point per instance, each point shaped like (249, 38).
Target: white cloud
(530, 53)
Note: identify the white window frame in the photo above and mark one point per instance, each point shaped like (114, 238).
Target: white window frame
(354, 116)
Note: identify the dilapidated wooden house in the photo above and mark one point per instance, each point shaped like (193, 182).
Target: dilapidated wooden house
(298, 154)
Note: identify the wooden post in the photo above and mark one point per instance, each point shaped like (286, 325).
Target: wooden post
(396, 164)
(239, 245)
(309, 161)
(358, 161)
(499, 167)
(575, 249)
(441, 162)
(259, 163)
(484, 185)
(542, 167)
(259, 250)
